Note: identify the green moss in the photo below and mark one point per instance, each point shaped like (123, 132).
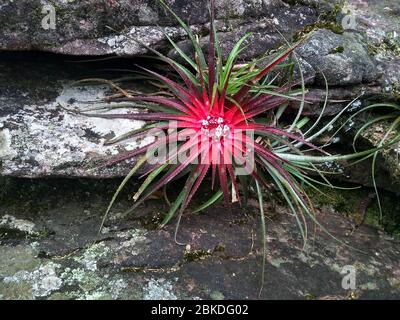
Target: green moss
(344, 202)
(347, 203)
(311, 297)
(327, 20)
(196, 255)
(389, 44)
(329, 25)
(339, 49)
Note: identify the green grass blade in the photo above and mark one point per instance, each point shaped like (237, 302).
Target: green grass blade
(174, 208)
(263, 234)
(180, 52)
(231, 59)
(137, 166)
(190, 34)
(321, 114)
(149, 180)
(216, 197)
(303, 94)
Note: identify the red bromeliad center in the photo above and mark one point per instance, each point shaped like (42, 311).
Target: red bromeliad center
(215, 138)
(215, 127)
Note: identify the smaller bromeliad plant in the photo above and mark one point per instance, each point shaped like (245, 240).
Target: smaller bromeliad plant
(214, 105)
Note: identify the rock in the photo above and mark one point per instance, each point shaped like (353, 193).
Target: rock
(43, 280)
(378, 22)
(338, 97)
(343, 59)
(13, 224)
(367, 29)
(17, 258)
(280, 23)
(48, 227)
(387, 165)
(39, 137)
(87, 27)
(221, 258)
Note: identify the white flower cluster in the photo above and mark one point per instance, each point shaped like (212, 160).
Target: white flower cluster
(215, 127)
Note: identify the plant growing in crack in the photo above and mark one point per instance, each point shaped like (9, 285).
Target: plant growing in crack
(389, 138)
(226, 124)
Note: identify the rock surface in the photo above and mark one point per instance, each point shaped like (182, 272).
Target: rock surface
(355, 51)
(39, 137)
(86, 27)
(387, 167)
(57, 258)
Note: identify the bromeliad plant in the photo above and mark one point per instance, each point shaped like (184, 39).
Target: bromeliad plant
(213, 105)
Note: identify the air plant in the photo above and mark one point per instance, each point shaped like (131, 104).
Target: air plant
(214, 104)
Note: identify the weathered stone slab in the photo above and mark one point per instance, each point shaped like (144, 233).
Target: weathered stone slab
(221, 257)
(39, 137)
(86, 27)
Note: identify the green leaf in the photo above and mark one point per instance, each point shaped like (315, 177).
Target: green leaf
(181, 53)
(263, 233)
(174, 208)
(148, 180)
(217, 196)
(303, 94)
(322, 159)
(131, 133)
(139, 163)
(190, 34)
(231, 59)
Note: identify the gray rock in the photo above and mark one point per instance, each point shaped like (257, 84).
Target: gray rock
(280, 24)
(343, 59)
(378, 21)
(47, 228)
(387, 167)
(39, 137)
(221, 259)
(87, 27)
